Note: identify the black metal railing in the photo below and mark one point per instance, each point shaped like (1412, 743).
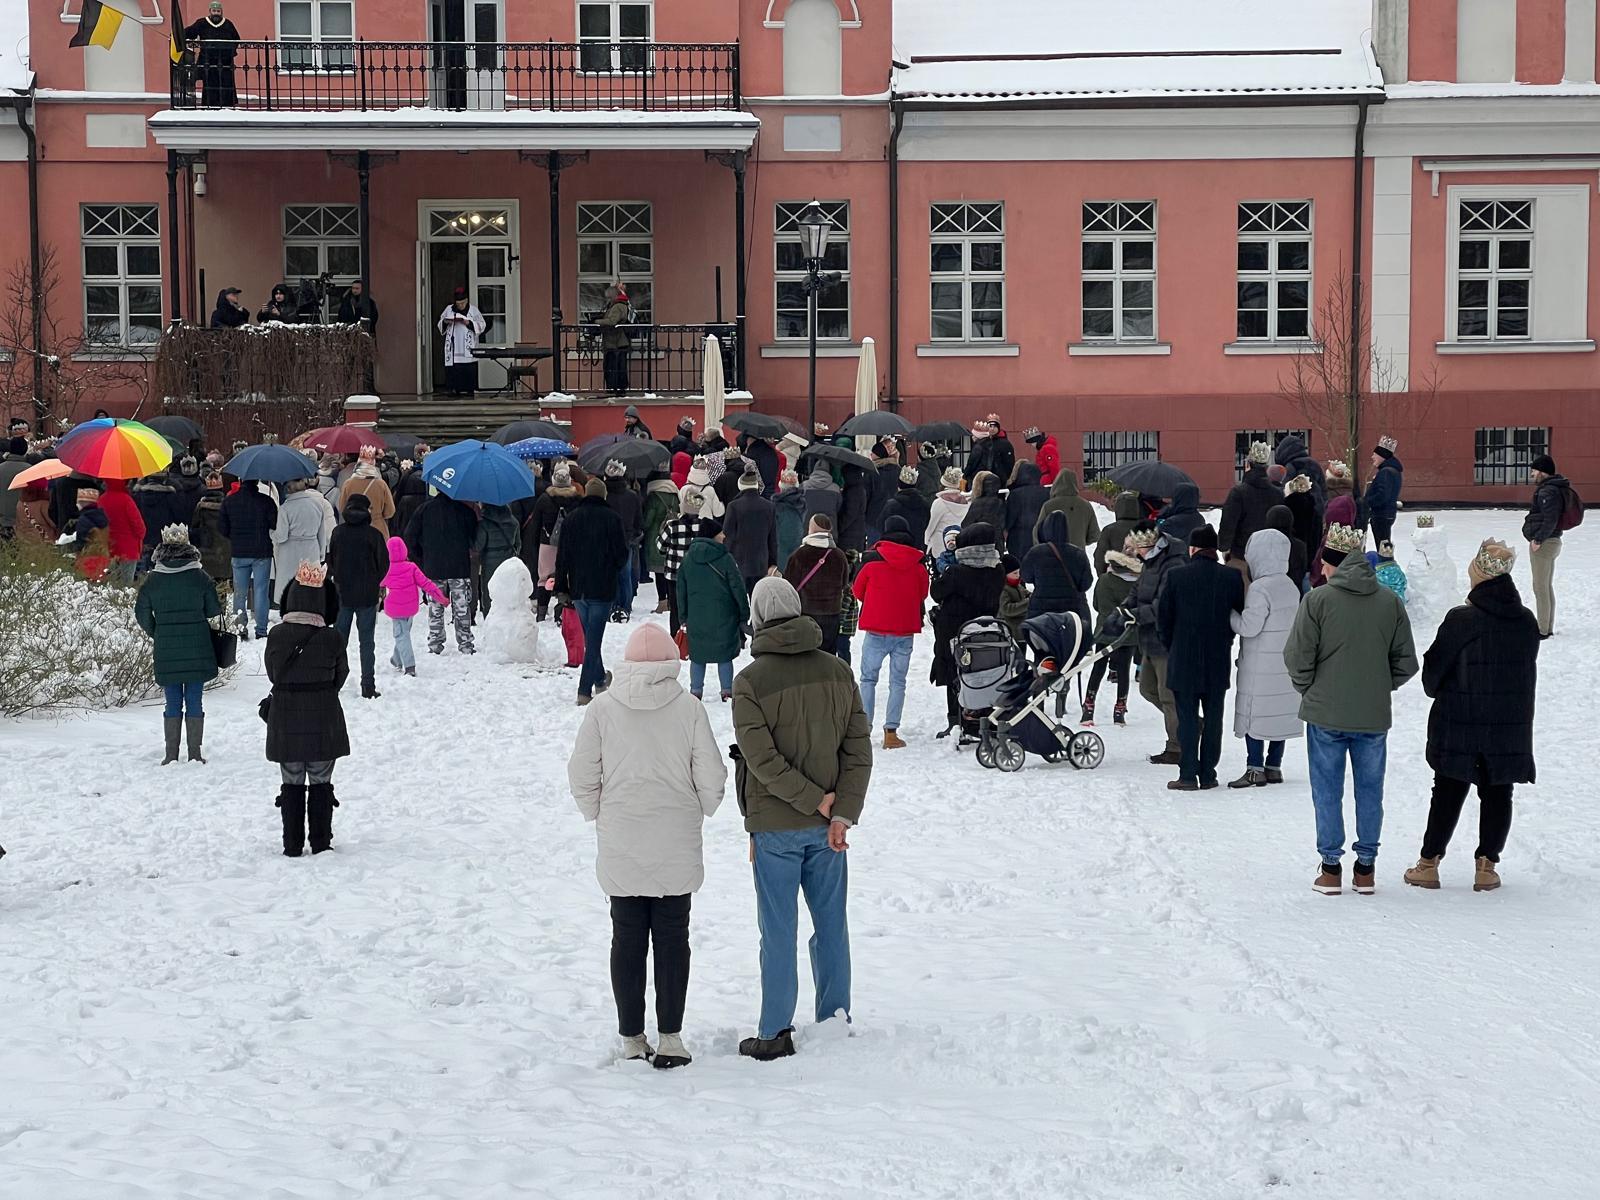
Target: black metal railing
(664, 359)
(365, 76)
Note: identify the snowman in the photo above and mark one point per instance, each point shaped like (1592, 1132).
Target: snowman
(510, 632)
(1433, 584)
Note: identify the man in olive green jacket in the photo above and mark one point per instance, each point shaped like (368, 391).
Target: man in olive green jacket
(1083, 527)
(805, 757)
(1349, 650)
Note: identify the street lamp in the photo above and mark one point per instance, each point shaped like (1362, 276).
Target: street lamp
(814, 230)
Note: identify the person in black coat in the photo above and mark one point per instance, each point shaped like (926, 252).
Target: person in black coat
(1182, 516)
(1245, 510)
(409, 496)
(991, 451)
(683, 439)
(593, 549)
(1193, 619)
(229, 313)
(1280, 518)
(1295, 459)
(358, 306)
(765, 457)
(626, 502)
(441, 537)
(358, 559)
(969, 589)
(750, 530)
(885, 482)
(910, 505)
(1024, 499)
(851, 531)
(1482, 674)
(987, 507)
(306, 662)
(1059, 573)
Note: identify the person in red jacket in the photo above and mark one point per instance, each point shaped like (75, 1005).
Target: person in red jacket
(1046, 454)
(891, 589)
(124, 528)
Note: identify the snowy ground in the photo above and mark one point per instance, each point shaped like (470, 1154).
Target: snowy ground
(1067, 985)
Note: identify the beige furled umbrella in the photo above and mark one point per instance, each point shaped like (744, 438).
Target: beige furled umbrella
(866, 385)
(716, 392)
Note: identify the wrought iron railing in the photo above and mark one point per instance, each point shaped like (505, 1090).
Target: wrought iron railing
(365, 76)
(664, 359)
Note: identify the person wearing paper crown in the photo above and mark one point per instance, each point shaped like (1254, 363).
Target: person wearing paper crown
(176, 603)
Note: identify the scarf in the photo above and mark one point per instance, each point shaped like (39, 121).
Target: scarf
(305, 618)
(822, 541)
(978, 556)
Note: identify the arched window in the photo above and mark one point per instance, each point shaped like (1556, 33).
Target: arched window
(812, 51)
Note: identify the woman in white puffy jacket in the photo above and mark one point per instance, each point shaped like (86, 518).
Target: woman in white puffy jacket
(1266, 708)
(646, 770)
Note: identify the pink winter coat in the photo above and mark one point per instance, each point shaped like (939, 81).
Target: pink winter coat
(400, 585)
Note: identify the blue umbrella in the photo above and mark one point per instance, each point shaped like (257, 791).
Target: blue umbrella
(482, 471)
(271, 464)
(538, 447)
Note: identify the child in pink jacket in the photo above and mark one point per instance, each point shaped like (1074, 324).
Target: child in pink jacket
(401, 602)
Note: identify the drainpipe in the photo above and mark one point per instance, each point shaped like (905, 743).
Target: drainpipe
(1357, 234)
(21, 105)
(894, 256)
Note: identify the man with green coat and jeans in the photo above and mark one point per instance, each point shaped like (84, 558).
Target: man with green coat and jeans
(804, 760)
(1349, 649)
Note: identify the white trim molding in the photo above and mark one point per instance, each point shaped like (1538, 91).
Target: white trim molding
(824, 350)
(1117, 349)
(852, 22)
(1247, 349)
(1442, 166)
(1573, 347)
(969, 350)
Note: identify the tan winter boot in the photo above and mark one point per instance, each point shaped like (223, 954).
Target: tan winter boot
(891, 740)
(1425, 874)
(1330, 882)
(1487, 878)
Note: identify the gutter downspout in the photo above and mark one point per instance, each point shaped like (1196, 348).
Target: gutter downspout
(21, 104)
(894, 255)
(1357, 277)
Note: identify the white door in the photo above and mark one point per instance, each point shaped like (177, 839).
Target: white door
(470, 245)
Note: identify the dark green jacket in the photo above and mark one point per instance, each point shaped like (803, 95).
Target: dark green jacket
(1083, 528)
(1349, 648)
(173, 608)
(711, 601)
(801, 730)
(660, 506)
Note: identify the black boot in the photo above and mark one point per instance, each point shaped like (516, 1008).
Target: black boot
(173, 728)
(196, 727)
(292, 800)
(319, 816)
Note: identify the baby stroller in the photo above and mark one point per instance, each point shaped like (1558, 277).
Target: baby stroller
(986, 658)
(1019, 724)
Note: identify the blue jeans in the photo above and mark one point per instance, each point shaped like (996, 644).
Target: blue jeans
(252, 581)
(875, 647)
(1253, 749)
(1325, 754)
(697, 676)
(592, 615)
(787, 862)
(404, 655)
(184, 699)
(624, 600)
(365, 620)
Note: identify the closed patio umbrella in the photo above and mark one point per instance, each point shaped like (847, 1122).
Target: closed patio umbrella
(866, 385)
(712, 384)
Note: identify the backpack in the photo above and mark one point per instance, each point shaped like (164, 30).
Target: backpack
(1571, 510)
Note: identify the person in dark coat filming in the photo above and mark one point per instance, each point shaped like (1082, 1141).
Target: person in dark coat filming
(1482, 674)
(1193, 619)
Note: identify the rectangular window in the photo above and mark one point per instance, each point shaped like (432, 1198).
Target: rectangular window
(1494, 270)
(317, 31)
(614, 35)
(1243, 439)
(318, 238)
(1274, 285)
(1501, 455)
(1119, 271)
(121, 275)
(789, 286)
(615, 246)
(1105, 450)
(967, 264)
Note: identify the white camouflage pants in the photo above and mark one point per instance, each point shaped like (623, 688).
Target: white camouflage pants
(460, 593)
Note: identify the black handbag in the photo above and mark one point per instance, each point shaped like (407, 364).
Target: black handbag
(225, 646)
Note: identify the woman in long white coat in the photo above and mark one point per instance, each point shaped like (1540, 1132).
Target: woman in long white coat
(305, 523)
(1266, 708)
(647, 771)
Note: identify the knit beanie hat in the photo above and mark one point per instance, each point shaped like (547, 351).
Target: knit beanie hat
(1494, 558)
(595, 487)
(358, 500)
(908, 476)
(773, 600)
(1544, 464)
(650, 643)
(561, 477)
(710, 527)
(1204, 538)
(750, 478)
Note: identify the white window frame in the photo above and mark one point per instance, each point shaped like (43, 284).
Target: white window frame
(1277, 225)
(1123, 228)
(115, 232)
(615, 240)
(963, 224)
(615, 37)
(787, 232)
(319, 59)
(1493, 274)
(321, 242)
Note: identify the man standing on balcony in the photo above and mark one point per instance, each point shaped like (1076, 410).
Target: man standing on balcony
(462, 325)
(214, 42)
(614, 339)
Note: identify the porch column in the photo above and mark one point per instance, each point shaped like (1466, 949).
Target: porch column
(174, 277)
(553, 166)
(364, 216)
(738, 268)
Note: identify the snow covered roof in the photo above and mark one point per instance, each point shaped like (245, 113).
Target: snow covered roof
(1018, 50)
(14, 72)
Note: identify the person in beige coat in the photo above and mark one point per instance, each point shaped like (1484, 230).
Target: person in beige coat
(647, 771)
(366, 481)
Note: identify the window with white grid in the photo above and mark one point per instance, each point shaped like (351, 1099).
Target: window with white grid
(615, 245)
(1494, 270)
(121, 274)
(318, 238)
(967, 264)
(1274, 285)
(1500, 455)
(1107, 449)
(1119, 271)
(833, 301)
(614, 35)
(319, 34)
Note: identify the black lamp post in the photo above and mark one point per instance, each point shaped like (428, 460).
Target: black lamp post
(814, 230)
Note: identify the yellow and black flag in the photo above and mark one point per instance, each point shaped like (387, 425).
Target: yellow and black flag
(176, 50)
(97, 26)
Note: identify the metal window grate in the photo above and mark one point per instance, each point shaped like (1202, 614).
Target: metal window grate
(1243, 438)
(1500, 455)
(1106, 449)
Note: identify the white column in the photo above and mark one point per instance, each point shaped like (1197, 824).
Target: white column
(1580, 41)
(1391, 272)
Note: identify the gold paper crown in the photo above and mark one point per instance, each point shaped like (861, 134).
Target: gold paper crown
(1425, 521)
(1345, 539)
(1388, 443)
(1143, 539)
(174, 535)
(1495, 558)
(1300, 483)
(310, 574)
(1260, 452)
(1337, 466)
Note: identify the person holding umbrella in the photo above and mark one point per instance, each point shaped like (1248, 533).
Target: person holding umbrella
(175, 605)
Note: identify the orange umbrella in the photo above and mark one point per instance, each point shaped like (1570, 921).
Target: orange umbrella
(50, 468)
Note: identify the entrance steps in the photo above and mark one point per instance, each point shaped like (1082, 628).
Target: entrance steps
(441, 419)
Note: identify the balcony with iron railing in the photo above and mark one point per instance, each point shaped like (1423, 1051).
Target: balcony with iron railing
(385, 76)
(661, 360)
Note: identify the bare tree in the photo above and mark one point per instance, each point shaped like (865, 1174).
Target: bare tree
(73, 373)
(1345, 389)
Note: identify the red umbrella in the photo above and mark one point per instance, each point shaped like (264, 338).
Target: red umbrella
(343, 439)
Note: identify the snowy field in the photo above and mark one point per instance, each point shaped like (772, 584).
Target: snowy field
(1066, 985)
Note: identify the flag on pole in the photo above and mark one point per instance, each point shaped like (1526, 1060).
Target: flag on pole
(176, 49)
(97, 26)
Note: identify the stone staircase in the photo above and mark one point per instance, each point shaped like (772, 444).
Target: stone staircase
(442, 419)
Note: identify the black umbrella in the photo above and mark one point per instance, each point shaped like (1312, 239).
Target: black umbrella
(876, 423)
(940, 431)
(271, 463)
(639, 455)
(519, 430)
(1148, 476)
(179, 429)
(402, 444)
(759, 425)
(838, 454)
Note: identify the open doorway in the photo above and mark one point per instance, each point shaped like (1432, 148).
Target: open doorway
(471, 246)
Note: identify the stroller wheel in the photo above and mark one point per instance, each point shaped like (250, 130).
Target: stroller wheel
(1009, 755)
(1086, 751)
(985, 752)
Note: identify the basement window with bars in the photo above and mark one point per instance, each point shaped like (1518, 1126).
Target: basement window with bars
(1274, 283)
(1244, 437)
(1119, 271)
(1105, 450)
(1494, 270)
(1500, 455)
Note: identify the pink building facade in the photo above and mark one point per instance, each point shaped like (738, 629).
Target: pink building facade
(1144, 233)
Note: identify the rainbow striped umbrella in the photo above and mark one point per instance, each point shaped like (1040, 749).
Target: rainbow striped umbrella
(111, 448)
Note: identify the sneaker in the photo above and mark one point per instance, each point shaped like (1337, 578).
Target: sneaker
(1119, 714)
(671, 1053)
(1330, 882)
(1252, 777)
(1183, 785)
(1274, 775)
(1167, 758)
(1487, 878)
(892, 741)
(583, 700)
(1363, 880)
(1087, 716)
(767, 1049)
(1425, 874)
(636, 1047)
